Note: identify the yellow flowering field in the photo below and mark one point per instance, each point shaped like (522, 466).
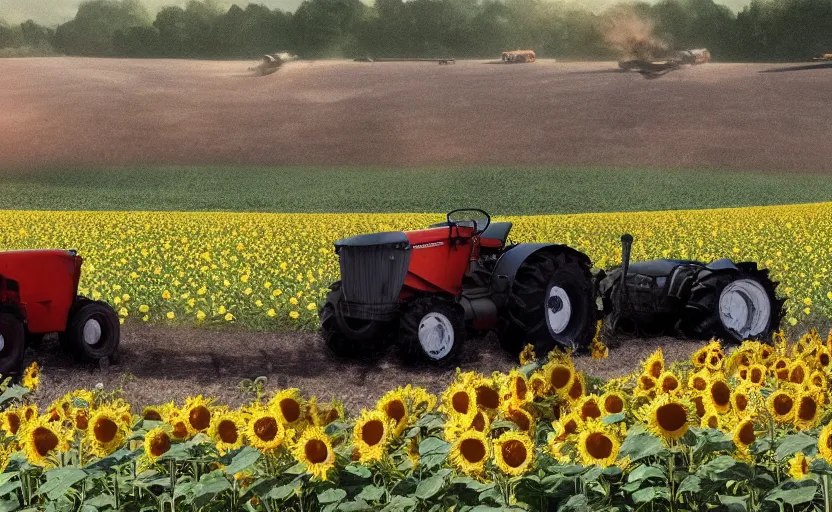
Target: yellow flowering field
(271, 271)
(749, 426)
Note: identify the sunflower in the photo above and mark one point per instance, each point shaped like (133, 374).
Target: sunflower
(668, 417)
(742, 372)
(31, 377)
(817, 381)
(527, 355)
(513, 452)
(459, 400)
(11, 419)
(823, 358)
(799, 466)
(669, 383)
(715, 360)
(589, 407)
(577, 389)
(559, 375)
(488, 394)
(700, 357)
(413, 452)
(740, 399)
(288, 406)
(42, 441)
(226, 430)
(700, 406)
(654, 365)
(157, 412)
(559, 451)
(699, 380)
(106, 431)
(522, 418)
(711, 419)
(647, 386)
(538, 385)
(781, 405)
(178, 420)
(456, 425)
(781, 368)
(263, 429)
(744, 434)
(323, 416)
(370, 435)
(470, 453)
(567, 425)
(719, 394)
(613, 402)
(157, 442)
(80, 419)
(197, 414)
(516, 388)
(314, 450)
(421, 402)
(757, 374)
(394, 405)
(798, 371)
(807, 410)
(825, 443)
(596, 445)
(766, 354)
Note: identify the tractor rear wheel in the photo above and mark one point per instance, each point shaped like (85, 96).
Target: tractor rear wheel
(551, 303)
(12, 345)
(93, 331)
(734, 307)
(432, 330)
(348, 337)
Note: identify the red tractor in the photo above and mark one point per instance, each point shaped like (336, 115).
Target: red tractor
(39, 295)
(428, 289)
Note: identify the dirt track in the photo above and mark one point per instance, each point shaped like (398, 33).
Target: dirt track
(159, 364)
(100, 111)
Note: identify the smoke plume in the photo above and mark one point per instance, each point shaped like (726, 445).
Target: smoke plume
(632, 35)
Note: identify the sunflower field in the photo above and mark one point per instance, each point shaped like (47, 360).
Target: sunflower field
(746, 428)
(272, 271)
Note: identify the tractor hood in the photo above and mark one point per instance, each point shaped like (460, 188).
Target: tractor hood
(396, 239)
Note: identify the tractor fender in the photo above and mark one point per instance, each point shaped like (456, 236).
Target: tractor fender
(511, 260)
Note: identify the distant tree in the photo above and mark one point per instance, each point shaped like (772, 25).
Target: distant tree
(91, 31)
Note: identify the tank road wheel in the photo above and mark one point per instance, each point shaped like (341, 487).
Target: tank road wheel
(432, 330)
(348, 337)
(734, 307)
(93, 332)
(551, 303)
(12, 345)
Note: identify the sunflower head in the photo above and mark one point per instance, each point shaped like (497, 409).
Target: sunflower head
(459, 400)
(668, 382)
(106, 430)
(719, 394)
(527, 355)
(470, 452)
(781, 405)
(818, 381)
(568, 425)
(157, 442)
(807, 410)
(744, 434)
(488, 394)
(613, 402)
(371, 434)
(513, 452)
(668, 417)
(42, 441)
(515, 388)
(597, 444)
(757, 374)
(524, 420)
(654, 365)
(798, 372)
(227, 430)
(314, 450)
(589, 407)
(31, 377)
(263, 428)
(288, 406)
(825, 443)
(559, 375)
(577, 389)
(197, 414)
(699, 381)
(780, 367)
(647, 386)
(799, 466)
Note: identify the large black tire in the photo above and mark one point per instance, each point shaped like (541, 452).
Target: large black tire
(539, 280)
(349, 337)
(103, 332)
(702, 316)
(419, 316)
(12, 335)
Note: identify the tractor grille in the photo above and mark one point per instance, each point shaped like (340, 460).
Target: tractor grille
(371, 279)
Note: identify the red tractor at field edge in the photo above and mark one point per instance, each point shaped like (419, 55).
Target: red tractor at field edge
(427, 289)
(38, 296)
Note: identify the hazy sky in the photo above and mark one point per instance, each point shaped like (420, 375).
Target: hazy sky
(53, 12)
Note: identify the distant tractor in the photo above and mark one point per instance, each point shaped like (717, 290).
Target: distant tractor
(823, 57)
(38, 296)
(519, 56)
(426, 290)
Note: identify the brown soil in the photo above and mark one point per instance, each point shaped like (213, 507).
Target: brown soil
(159, 364)
(67, 111)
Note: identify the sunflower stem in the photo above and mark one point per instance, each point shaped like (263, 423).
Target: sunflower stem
(670, 464)
(827, 504)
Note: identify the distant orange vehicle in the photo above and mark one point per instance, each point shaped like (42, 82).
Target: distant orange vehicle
(519, 56)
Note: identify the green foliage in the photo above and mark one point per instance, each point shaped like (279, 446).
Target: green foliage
(530, 191)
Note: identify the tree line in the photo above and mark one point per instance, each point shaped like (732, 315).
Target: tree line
(763, 30)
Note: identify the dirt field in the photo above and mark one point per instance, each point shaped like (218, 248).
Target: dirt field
(159, 364)
(98, 111)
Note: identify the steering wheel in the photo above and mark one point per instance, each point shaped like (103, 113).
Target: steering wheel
(478, 230)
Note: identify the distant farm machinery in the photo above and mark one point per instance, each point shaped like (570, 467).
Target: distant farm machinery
(652, 68)
(519, 56)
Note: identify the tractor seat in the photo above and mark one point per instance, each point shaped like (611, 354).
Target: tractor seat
(656, 268)
(495, 235)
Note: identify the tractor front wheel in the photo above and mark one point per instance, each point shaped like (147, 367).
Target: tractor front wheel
(432, 330)
(551, 304)
(348, 337)
(93, 331)
(12, 345)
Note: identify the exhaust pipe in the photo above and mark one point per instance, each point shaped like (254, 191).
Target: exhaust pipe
(626, 245)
